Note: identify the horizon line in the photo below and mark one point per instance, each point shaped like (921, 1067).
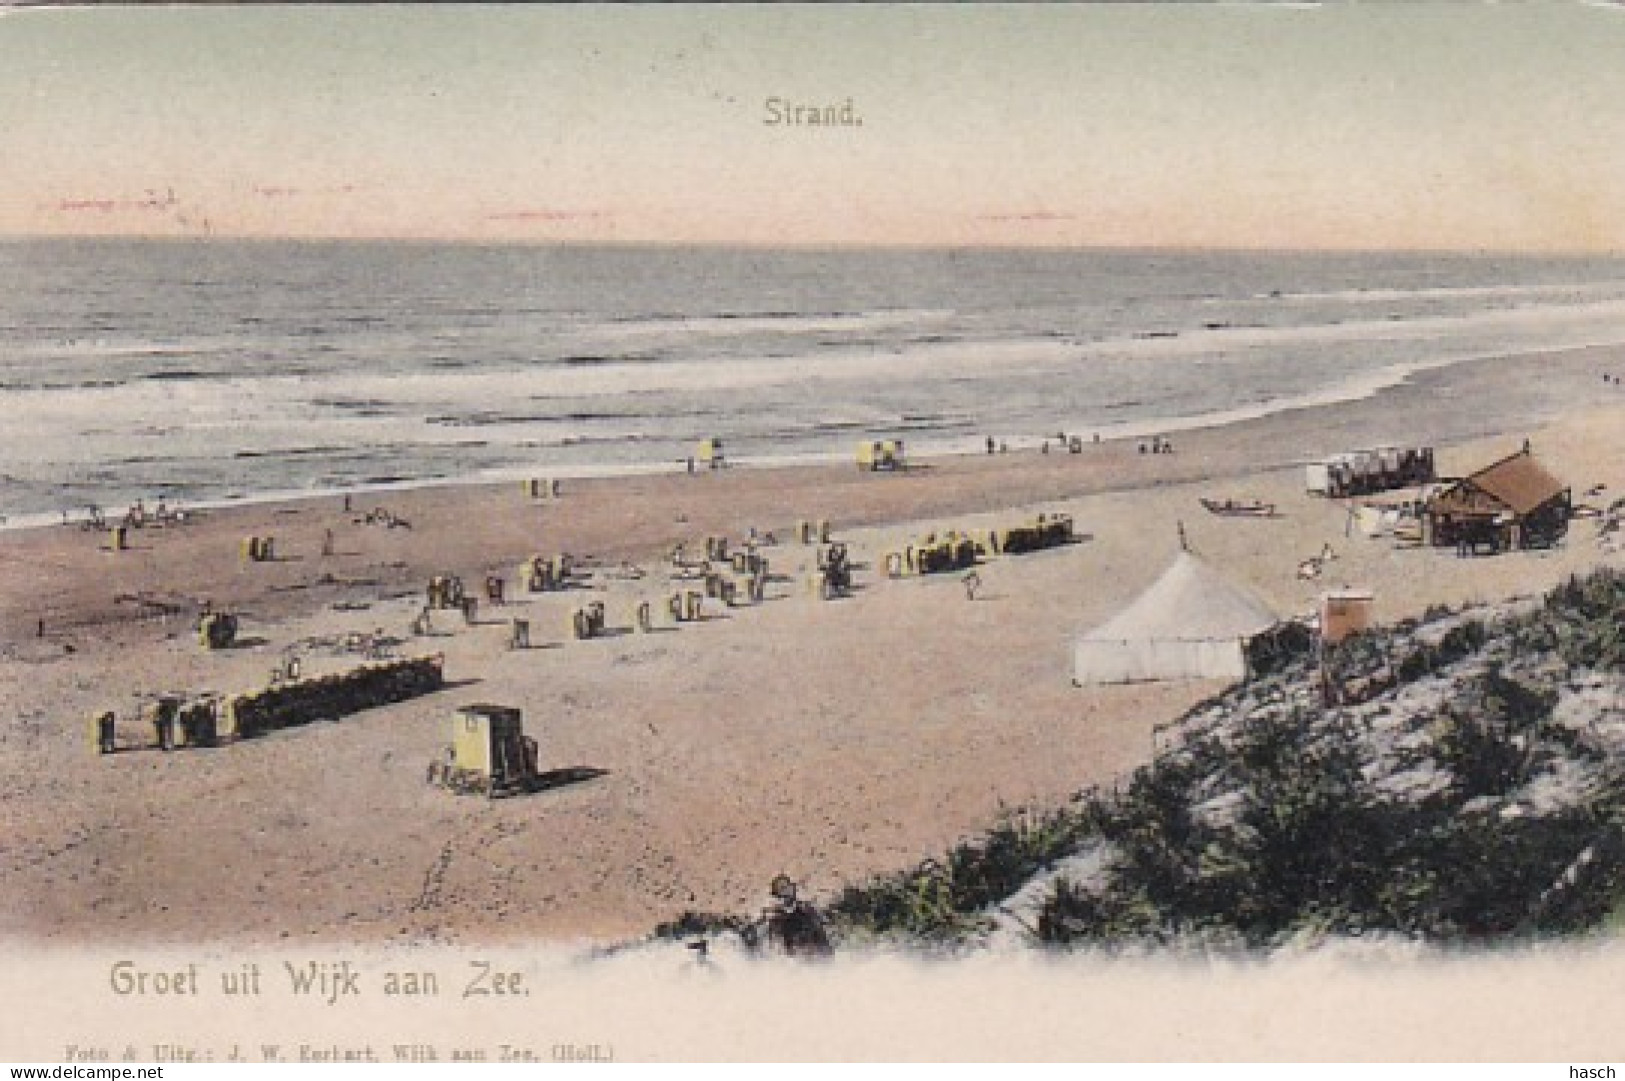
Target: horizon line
(802, 246)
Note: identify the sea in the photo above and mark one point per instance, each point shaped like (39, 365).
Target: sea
(212, 371)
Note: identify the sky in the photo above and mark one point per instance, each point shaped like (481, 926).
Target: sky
(1451, 126)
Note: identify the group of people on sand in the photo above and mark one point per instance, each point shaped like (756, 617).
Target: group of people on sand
(385, 517)
(136, 516)
(1072, 443)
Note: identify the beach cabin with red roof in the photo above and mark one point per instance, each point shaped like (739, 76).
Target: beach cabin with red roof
(1509, 504)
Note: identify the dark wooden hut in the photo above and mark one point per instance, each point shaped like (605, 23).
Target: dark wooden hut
(1509, 504)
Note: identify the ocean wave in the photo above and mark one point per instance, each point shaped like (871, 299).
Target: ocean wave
(1389, 295)
(582, 440)
(181, 375)
(773, 321)
(305, 452)
(588, 360)
(589, 415)
(407, 375)
(489, 417)
(484, 311)
(944, 424)
(84, 384)
(725, 316)
(350, 403)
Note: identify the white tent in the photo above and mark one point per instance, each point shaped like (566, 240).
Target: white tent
(1191, 624)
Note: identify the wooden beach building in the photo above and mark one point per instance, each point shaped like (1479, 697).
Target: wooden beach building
(1510, 504)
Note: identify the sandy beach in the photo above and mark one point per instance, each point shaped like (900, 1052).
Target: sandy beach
(826, 740)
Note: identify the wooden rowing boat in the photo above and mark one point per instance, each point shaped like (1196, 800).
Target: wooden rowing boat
(1232, 508)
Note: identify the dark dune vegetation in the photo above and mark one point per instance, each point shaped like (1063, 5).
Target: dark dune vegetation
(1464, 785)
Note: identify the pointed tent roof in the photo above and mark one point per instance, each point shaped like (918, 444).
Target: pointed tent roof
(1190, 602)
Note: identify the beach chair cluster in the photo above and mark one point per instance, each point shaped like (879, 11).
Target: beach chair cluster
(541, 488)
(833, 576)
(1034, 535)
(933, 554)
(732, 575)
(958, 551)
(330, 697)
(810, 533)
(686, 606)
(258, 549)
(749, 563)
(746, 584)
(446, 591)
(588, 621)
(207, 720)
(543, 574)
(1361, 472)
(173, 721)
(216, 630)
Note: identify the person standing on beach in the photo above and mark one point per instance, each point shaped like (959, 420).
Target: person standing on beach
(990, 444)
(794, 926)
(104, 733)
(163, 723)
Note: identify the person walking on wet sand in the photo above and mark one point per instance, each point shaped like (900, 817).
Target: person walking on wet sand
(991, 445)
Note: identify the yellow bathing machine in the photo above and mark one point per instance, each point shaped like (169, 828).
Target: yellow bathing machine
(709, 454)
(489, 753)
(877, 455)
